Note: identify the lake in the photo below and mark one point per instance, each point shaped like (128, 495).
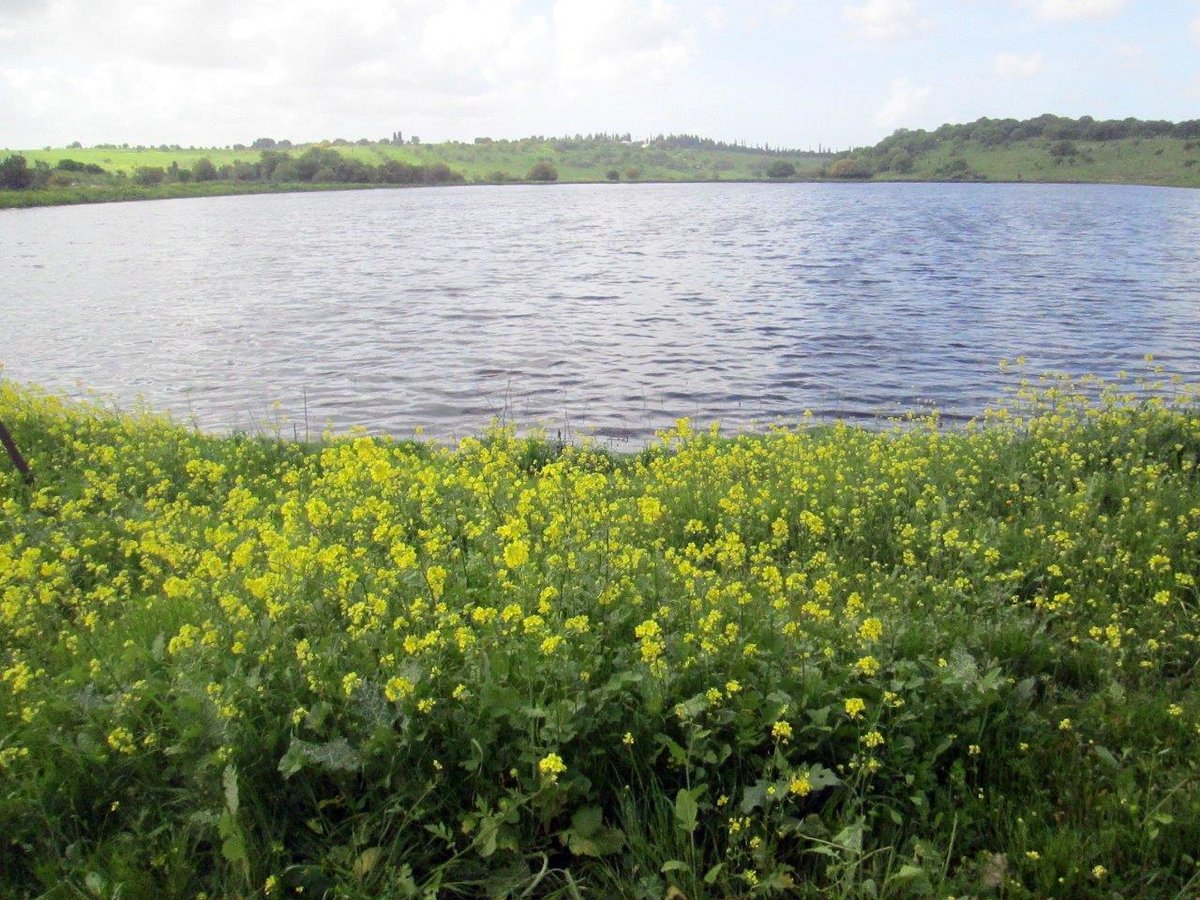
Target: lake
(604, 309)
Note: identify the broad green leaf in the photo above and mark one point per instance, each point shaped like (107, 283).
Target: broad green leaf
(587, 820)
(686, 810)
(233, 844)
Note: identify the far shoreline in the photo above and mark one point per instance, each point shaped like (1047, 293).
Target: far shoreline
(39, 199)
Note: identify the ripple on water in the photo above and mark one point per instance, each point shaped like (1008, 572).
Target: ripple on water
(597, 309)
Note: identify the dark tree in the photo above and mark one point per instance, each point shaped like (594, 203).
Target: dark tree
(204, 170)
(543, 171)
(15, 173)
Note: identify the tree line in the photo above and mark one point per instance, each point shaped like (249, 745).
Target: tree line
(1001, 132)
(317, 165)
(16, 173)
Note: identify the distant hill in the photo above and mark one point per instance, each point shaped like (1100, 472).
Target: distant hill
(1047, 148)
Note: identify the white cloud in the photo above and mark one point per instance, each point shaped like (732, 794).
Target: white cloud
(904, 100)
(1074, 10)
(488, 36)
(1013, 65)
(224, 70)
(715, 16)
(1196, 29)
(615, 39)
(885, 20)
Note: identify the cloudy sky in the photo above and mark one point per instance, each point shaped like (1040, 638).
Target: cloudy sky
(787, 72)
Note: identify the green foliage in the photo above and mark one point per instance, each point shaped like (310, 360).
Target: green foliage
(15, 173)
(1048, 148)
(542, 170)
(955, 169)
(900, 161)
(148, 176)
(71, 165)
(1063, 149)
(813, 662)
(204, 170)
(781, 169)
(849, 167)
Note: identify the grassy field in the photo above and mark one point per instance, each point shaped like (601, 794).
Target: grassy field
(582, 161)
(825, 662)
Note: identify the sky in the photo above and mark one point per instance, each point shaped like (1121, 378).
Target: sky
(788, 73)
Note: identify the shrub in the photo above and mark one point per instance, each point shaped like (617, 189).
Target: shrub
(15, 173)
(393, 171)
(956, 169)
(542, 171)
(781, 169)
(1063, 149)
(440, 173)
(849, 167)
(612, 175)
(204, 170)
(148, 176)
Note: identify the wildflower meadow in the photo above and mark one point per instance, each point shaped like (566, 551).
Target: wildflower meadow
(828, 660)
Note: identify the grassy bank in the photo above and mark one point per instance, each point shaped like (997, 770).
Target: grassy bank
(920, 662)
(110, 193)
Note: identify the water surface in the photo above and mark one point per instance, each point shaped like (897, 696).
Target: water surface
(609, 309)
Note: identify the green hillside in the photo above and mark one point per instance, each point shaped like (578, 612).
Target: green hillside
(1048, 148)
